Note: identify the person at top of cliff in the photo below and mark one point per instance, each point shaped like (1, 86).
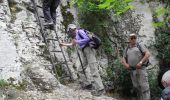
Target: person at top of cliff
(49, 10)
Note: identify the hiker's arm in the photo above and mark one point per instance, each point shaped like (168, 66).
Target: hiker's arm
(147, 55)
(125, 63)
(69, 44)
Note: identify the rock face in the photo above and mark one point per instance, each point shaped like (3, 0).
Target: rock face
(24, 60)
(147, 30)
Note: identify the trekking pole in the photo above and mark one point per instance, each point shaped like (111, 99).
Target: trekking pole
(81, 62)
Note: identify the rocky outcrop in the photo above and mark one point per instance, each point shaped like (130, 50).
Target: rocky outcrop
(25, 63)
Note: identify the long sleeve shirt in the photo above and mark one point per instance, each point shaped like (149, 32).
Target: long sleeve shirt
(82, 38)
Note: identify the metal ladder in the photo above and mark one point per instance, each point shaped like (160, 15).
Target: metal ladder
(44, 33)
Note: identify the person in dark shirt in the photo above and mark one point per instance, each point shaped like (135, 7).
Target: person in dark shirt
(49, 10)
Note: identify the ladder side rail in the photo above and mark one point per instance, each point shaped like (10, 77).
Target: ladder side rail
(63, 55)
(43, 35)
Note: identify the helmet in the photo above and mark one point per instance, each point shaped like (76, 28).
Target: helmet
(71, 27)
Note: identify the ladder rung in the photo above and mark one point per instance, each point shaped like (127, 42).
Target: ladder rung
(59, 63)
(39, 6)
(41, 16)
(56, 51)
(52, 39)
(1, 18)
(46, 64)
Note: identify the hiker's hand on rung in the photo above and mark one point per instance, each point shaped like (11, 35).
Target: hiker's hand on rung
(61, 44)
(73, 42)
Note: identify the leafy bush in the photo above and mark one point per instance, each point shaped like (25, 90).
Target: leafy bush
(154, 88)
(3, 83)
(118, 6)
(120, 78)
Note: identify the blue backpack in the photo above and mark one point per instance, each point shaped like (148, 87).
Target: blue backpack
(95, 41)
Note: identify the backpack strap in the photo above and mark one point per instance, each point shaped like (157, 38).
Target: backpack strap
(126, 53)
(140, 49)
(80, 35)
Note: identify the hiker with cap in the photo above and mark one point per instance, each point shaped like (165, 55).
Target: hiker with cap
(166, 84)
(133, 60)
(49, 10)
(88, 73)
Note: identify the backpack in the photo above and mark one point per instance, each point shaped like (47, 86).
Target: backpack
(146, 63)
(95, 41)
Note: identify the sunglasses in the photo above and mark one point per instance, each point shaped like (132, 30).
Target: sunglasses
(133, 38)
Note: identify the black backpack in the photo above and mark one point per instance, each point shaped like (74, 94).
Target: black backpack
(95, 41)
(146, 63)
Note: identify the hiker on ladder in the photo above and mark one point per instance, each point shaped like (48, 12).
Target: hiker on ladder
(89, 75)
(49, 10)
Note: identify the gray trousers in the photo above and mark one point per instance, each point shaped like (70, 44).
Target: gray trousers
(91, 70)
(140, 82)
(49, 10)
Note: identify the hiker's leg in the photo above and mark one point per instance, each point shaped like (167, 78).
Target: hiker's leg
(46, 10)
(83, 70)
(133, 76)
(92, 62)
(144, 84)
(54, 6)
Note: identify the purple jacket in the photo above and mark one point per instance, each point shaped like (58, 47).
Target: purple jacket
(83, 39)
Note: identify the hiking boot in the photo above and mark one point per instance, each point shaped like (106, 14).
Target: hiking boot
(48, 24)
(98, 92)
(88, 87)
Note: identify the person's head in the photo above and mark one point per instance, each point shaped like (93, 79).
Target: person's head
(71, 29)
(132, 39)
(166, 79)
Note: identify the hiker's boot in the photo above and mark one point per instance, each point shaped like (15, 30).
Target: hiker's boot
(48, 24)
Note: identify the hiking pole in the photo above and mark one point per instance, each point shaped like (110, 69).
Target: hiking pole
(81, 62)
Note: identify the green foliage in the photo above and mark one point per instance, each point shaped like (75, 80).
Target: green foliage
(162, 12)
(67, 16)
(154, 88)
(107, 46)
(118, 6)
(20, 85)
(59, 70)
(120, 77)
(163, 45)
(3, 83)
(70, 50)
(159, 24)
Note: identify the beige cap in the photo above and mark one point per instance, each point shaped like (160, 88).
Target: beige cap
(132, 34)
(71, 27)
